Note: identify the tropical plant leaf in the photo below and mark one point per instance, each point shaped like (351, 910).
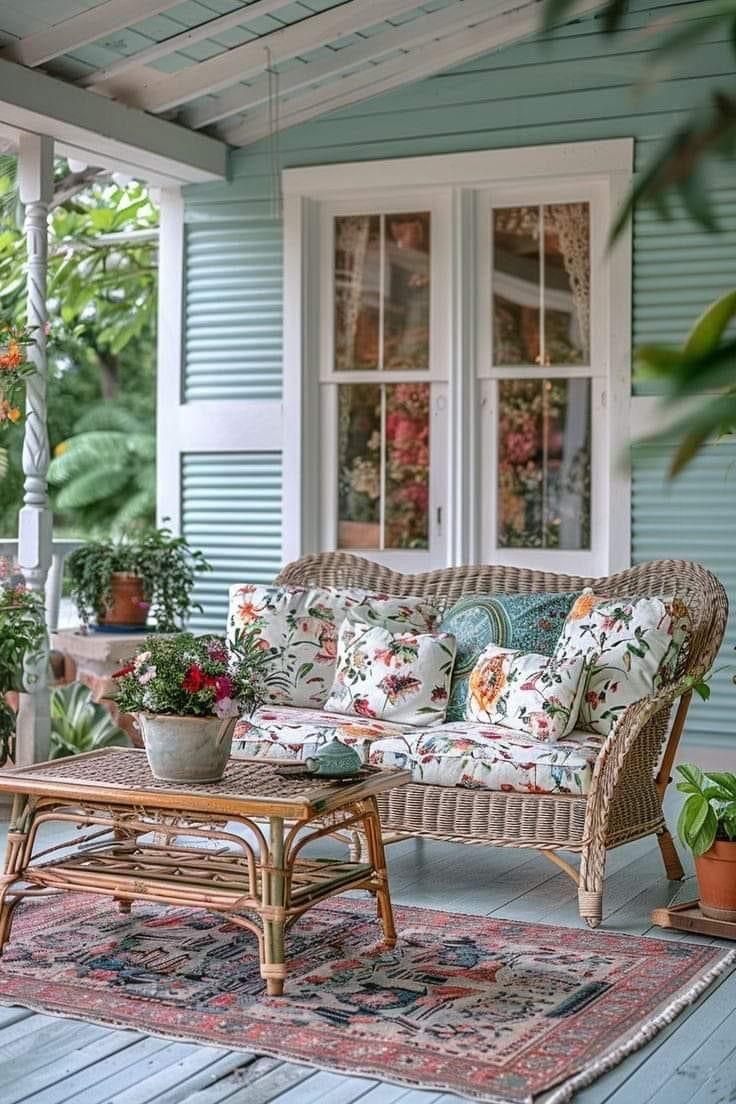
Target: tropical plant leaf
(78, 724)
(108, 416)
(709, 328)
(91, 487)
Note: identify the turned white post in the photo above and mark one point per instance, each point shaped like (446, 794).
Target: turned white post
(36, 186)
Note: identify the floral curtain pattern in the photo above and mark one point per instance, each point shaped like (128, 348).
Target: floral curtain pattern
(544, 464)
(541, 281)
(383, 466)
(382, 291)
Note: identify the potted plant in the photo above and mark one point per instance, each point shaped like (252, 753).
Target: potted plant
(22, 635)
(187, 692)
(79, 724)
(120, 581)
(707, 825)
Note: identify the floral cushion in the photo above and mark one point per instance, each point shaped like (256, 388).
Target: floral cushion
(528, 622)
(492, 758)
(300, 625)
(630, 646)
(285, 732)
(464, 754)
(527, 692)
(402, 677)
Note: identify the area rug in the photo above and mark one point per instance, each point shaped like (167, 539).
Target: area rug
(496, 1010)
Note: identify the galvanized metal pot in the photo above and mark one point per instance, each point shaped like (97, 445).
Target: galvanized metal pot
(186, 749)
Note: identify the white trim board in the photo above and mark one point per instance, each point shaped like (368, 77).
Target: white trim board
(33, 101)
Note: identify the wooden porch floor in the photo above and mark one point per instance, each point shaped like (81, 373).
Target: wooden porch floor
(45, 1060)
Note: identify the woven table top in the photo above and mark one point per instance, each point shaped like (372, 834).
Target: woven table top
(122, 776)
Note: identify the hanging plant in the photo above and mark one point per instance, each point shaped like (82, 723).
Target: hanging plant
(14, 369)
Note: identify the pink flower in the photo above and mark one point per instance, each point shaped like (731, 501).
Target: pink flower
(147, 676)
(226, 707)
(223, 687)
(362, 708)
(217, 651)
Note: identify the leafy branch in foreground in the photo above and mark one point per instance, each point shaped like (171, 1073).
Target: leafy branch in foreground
(707, 361)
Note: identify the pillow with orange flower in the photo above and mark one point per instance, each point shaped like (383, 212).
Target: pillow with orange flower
(526, 692)
(630, 647)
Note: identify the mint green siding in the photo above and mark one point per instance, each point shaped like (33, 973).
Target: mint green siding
(576, 86)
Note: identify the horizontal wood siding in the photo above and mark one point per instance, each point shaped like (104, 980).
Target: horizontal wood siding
(231, 509)
(574, 86)
(693, 518)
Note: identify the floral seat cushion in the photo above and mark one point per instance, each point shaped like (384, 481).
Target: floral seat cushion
(466, 753)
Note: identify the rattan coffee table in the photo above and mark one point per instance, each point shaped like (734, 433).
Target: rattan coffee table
(140, 839)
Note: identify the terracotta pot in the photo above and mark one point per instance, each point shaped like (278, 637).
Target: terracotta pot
(716, 871)
(128, 605)
(186, 749)
(358, 534)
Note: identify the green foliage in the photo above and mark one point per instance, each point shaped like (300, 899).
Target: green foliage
(709, 812)
(196, 676)
(106, 471)
(78, 724)
(22, 635)
(101, 343)
(707, 361)
(166, 565)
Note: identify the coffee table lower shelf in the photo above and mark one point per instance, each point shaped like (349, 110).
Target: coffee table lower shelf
(209, 880)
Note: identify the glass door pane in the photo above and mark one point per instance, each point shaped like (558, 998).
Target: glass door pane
(383, 466)
(544, 457)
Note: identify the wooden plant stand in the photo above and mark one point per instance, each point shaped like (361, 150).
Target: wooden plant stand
(688, 917)
(137, 841)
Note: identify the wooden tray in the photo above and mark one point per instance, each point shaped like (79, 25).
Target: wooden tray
(688, 917)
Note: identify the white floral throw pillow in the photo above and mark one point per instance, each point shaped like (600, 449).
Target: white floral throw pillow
(299, 627)
(392, 676)
(526, 692)
(630, 646)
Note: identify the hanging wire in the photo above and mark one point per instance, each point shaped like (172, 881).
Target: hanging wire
(276, 195)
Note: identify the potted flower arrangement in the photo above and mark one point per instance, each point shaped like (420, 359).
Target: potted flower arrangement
(707, 825)
(22, 635)
(120, 581)
(187, 692)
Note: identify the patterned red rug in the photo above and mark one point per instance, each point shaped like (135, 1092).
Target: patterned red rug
(495, 1010)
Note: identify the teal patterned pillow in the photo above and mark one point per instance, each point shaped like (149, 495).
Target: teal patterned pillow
(526, 622)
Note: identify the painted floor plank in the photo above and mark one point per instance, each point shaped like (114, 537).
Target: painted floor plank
(188, 1061)
(229, 1062)
(259, 1083)
(689, 1083)
(94, 1084)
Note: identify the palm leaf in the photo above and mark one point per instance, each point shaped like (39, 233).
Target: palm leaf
(108, 416)
(85, 490)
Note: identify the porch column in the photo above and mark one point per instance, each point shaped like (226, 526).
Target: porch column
(36, 187)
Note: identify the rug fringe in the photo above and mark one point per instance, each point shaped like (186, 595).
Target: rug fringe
(642, 1036)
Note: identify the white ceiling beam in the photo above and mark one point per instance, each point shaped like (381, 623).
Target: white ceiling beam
(80, 30)
(98, 80)
(33, 101)
(404, 37)
(490, 34)
(156, 93)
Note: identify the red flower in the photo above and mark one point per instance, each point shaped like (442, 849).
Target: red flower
(128, 669)
(362, 708)
(194, 679)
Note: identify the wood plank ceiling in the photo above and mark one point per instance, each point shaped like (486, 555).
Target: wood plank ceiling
(239, 70)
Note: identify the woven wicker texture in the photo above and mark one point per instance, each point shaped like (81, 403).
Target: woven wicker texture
(128, 770)
(624, 802)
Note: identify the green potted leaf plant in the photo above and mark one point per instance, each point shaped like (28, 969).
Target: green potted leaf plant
(79, 724)
(707, 825)
(120, 581)
(22, 636)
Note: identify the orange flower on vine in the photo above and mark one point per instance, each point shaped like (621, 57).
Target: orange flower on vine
(14, 369)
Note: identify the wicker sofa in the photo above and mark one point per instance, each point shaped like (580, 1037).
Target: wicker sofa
(632, 769)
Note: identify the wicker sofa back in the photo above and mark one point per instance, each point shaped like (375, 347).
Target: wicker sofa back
(632, 771)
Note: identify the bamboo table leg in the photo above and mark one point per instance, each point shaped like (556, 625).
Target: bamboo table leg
(377, 858)
(21, 820)
(274, 883)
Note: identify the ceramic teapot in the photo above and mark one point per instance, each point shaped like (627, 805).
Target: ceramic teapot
(334, 760)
